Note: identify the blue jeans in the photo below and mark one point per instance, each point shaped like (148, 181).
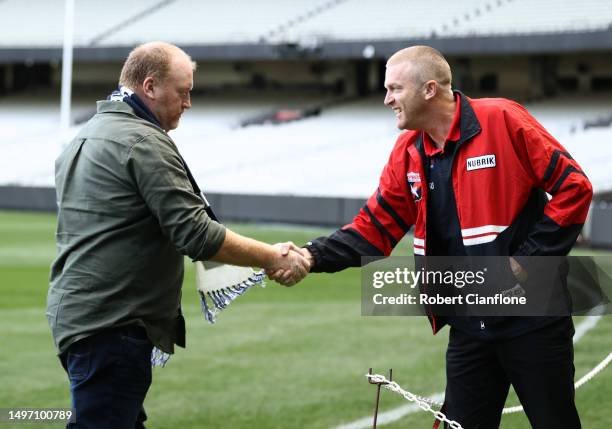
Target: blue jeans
(110, 374)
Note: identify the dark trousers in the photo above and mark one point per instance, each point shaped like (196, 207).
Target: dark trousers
(538, 364)
(110, 374)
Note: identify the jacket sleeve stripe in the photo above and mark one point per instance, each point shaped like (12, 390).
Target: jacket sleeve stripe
(387, 207)
(487, 238)
(568, 170)
(360, 244)
(344, 248)
(380, 226)
(485, 229)
(553, 163)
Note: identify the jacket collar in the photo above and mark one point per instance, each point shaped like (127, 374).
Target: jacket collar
(108, 106)
(454, 133)
(469, 122)
(469, 127)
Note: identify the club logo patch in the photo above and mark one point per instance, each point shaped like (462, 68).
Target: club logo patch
(478, 162)
(414, 180)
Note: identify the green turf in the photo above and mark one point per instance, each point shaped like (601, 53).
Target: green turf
(277, 358)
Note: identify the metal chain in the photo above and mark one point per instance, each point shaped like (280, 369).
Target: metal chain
(423, 403)
(426, 403)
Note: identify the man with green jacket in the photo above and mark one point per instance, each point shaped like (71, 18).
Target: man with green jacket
(128, 212)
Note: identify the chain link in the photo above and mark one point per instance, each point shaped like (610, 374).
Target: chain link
(426, 403)
(423, 403)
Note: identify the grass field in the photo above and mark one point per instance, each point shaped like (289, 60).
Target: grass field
(277, 358)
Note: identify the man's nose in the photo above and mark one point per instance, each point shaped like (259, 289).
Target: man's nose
(187, 102)
(388, 98)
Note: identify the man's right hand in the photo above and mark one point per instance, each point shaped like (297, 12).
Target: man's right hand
(284, 260)
(293, 275)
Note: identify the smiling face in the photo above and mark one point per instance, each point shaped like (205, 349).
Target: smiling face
(404, 95)
(171, 96)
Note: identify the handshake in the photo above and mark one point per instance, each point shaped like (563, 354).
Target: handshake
(291, 264)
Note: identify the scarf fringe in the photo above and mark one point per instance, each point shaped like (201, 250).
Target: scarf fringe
(159, 358)
(221, 298)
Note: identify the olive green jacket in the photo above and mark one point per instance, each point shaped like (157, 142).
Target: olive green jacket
(127, 214)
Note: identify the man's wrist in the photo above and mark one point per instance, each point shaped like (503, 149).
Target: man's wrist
(310, 260)
(308, 255)
(273, 255)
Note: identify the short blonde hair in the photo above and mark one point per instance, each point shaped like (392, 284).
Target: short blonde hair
(429, 64)
(151, 59)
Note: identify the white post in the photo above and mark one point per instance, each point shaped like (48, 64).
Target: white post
(67, 68)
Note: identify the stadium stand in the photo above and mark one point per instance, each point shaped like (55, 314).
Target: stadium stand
(20, 27)
(338, 153)
(117, 23)
(193, 22)
(341, 152)
(395, 19)
(371, 20)
(567, 114)
(542, 16)
(272, 59)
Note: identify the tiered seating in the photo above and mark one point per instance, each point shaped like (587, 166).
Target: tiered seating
(342, 152)
(591, 148)
(339, 153)
(30, 138)
(529, 17)
(565, 115)
(400, 19)
(371, 20)
(39, 23)
(210, 22)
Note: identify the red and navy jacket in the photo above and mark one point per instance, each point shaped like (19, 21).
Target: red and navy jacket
(504, 165)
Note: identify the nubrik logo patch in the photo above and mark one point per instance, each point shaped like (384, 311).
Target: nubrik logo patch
(478, 162)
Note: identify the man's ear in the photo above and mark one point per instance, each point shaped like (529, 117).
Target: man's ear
(431, 89)
(148, 87)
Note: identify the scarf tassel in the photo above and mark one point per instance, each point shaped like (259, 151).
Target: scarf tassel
(221, 298)
(159, 358)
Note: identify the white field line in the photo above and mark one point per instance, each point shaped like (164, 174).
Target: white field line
(388, 416)
(395, 414)
(588, 323)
